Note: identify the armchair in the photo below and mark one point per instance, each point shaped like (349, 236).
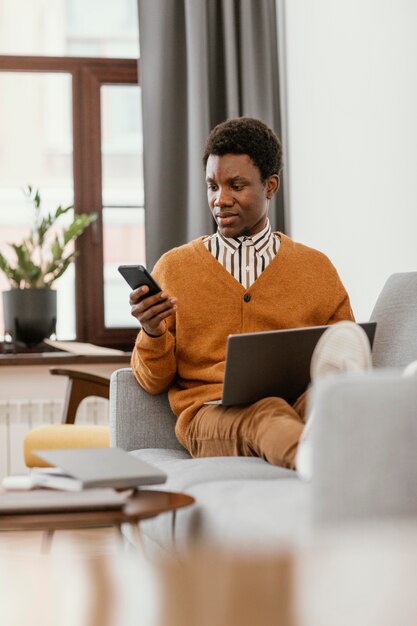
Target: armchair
(81, 384)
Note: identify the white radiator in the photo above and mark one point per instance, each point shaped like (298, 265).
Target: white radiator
(17, 417)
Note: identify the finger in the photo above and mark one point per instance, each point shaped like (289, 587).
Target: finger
(159, 318)
(137, 297)
(138, 293)
(153, 311)
(142, 310)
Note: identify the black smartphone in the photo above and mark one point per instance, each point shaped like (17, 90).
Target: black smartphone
(138, 275)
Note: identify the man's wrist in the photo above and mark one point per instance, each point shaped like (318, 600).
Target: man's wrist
(154, 336)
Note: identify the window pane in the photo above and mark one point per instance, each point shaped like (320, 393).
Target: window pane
(123, 212)
(124, 242)
(36, 149)
(122, 145)
(69, 28)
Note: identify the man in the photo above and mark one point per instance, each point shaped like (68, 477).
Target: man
(244, 278)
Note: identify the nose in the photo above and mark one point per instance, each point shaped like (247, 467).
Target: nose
(223, 198)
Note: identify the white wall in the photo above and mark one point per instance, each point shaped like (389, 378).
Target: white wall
(352, 136)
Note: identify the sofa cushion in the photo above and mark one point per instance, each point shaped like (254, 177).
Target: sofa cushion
(251, 514)
(183, 471)
(238, 514)
(366, 434)
(241, 502)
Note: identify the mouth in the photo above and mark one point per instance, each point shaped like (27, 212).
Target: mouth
(225, 219)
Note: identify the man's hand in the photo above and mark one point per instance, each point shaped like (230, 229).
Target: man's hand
(151, 311)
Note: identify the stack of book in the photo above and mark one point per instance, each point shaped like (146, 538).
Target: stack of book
(96, 475)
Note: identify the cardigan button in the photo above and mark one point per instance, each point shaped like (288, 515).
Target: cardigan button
(247, 297)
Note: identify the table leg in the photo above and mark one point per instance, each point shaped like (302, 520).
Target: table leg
(46, 542)
(173, 521)
(131, 536)
(136, 539)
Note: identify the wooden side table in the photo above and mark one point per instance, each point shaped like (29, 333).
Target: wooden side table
(143, 504)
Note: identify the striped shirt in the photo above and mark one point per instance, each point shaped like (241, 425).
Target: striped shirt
(245, 258)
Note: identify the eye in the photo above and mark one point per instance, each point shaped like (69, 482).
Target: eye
(211, 186)
(237, 187)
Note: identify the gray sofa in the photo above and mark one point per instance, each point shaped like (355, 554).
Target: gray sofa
(365, 442)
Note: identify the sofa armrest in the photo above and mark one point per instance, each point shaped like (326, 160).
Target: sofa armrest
(395, 342)
(364, 447)
(138, 419)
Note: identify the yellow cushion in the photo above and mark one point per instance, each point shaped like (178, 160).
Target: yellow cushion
(63, 436)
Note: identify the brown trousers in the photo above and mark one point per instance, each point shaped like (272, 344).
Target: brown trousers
(269, 428)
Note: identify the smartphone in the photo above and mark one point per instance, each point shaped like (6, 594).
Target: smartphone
(138, 275)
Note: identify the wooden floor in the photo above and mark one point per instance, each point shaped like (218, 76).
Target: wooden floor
(362, 576)
(91, 542)
(87, 578)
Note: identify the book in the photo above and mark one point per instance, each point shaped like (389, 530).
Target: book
(76, 469)
(45, 501)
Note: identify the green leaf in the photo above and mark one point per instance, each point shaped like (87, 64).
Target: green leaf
(4, 264)
(56, 249)
(60, 211)
(63, 266)
(11, 273)
(78, 226)
(28, 270)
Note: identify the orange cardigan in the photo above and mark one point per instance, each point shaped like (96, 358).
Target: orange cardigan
(300, 287)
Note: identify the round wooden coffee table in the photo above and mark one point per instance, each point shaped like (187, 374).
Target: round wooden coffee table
(143, 504)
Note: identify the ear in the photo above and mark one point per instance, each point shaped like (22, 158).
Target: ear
(272, 185)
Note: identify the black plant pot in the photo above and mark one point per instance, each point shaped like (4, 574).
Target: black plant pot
(29, 314)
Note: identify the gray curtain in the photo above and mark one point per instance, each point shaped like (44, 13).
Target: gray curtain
(201, 62)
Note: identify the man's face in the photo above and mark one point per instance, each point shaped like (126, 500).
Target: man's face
(237, 197)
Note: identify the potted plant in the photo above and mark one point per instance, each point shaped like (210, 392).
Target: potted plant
(40, 259)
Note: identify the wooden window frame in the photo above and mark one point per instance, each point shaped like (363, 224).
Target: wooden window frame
(88, 75)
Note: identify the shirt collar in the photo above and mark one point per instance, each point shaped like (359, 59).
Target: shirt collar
(259, 240)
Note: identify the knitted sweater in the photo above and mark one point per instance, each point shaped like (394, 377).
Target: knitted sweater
(300, 287)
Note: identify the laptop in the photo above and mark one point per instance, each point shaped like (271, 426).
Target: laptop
(90, 468)
(271, 363)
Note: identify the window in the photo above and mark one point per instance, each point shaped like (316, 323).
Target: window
(71, 125)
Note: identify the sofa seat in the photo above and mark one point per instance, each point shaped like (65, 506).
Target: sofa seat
(364, 450)
(239, 503)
